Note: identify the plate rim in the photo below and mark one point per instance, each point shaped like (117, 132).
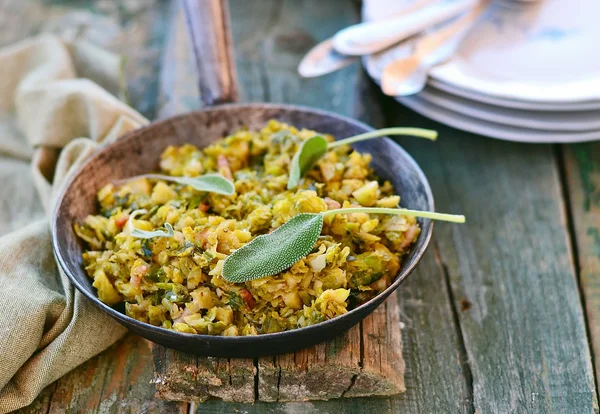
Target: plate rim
(473, 125)
(487, 113)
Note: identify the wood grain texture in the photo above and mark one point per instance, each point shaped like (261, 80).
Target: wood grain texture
(178, 69)
(329, 370)
(183, 377)
(118, 380)
(320, 372)
(582, 170)
(381, 369)
(510, 271)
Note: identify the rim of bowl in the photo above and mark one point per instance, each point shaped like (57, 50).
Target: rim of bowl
(127, 320)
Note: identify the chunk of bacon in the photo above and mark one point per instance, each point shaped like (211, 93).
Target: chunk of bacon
(332, 204)
(120, 221)
(247, 298)
(137, 274)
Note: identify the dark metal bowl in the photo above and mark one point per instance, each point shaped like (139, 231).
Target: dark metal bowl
(139, 152)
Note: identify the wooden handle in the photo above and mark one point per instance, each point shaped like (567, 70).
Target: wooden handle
(208, 24)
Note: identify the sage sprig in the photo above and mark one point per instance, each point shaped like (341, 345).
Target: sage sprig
(272, 253)
(212, 183)
(315, 147)
(145, 234)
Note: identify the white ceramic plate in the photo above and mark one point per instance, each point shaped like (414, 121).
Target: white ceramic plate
(541, 120)
(492, 129)
(546, 51)
(513, 103)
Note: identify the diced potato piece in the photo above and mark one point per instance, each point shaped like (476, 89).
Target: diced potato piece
(183, 327)
(140, 186)
(369, 226)
(243, 236)
(203, 298)
(367, 194)
(231, 331)
(337, 295)
(142, 225)
(389, 202)
(106, 291)
(318, 263)
(225, 315)
(293, 300)
(195, 277)
(162, 193)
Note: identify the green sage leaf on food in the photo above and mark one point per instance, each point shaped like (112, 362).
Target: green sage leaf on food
(212, 183)
(270, 254)
(144, 234)
(309, 153)
(315, 147)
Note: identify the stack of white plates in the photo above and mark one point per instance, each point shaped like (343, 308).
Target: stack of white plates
(526, 72)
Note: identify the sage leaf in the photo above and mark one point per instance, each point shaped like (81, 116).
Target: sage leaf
(211, 183)
(270, 254)
(315, 147)
(311, 150)
(144, 234)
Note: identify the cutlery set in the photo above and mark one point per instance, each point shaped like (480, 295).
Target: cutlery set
(414, 22)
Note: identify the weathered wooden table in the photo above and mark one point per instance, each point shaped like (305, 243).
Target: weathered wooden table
(501, 315)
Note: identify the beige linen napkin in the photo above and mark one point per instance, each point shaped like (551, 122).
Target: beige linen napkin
(55, 110)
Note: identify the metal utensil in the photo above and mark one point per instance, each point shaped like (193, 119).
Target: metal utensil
(408, 76)
(323, 58)
(371, 37)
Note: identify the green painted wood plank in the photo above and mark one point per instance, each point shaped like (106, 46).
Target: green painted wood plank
(511, 269)
(582, 170)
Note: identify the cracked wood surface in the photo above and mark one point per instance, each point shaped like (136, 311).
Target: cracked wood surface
(582, 180)
(329, 370)
(492, 316)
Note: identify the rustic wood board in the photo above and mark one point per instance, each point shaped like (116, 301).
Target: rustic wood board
(582, 173)
(365, 361)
